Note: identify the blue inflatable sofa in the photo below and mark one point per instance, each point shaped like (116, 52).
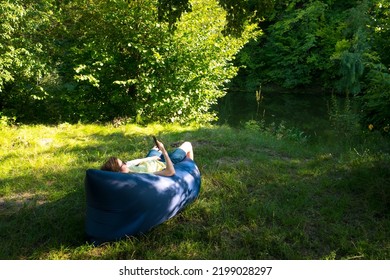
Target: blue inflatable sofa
(121, 204)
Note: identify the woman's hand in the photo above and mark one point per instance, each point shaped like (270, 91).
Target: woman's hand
(160, 146)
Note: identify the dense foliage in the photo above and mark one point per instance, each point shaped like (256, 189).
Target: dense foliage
(341, 46)
(171, 61)
(98, 60)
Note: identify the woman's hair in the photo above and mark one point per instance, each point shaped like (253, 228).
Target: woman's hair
(111, 165)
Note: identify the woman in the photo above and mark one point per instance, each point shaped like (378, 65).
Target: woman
(157, 162)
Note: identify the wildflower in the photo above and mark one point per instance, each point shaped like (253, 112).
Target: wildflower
(386, 128)
(370, 126)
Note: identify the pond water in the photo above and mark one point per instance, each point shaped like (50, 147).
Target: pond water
(307, 112)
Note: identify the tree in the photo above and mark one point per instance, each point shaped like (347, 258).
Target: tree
(193, 70)
(142, 68)
(376, 98)
(238, 12)
(306, 43)
(293, 50)
(22, 58)
(350, 50)
(96, 60)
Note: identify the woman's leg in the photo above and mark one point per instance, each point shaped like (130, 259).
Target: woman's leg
(182, 152)
(187, 148)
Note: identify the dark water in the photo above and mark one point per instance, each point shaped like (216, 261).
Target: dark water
(307, 112)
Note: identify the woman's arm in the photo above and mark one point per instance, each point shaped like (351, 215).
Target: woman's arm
(170, 169)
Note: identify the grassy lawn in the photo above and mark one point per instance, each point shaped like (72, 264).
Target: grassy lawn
(261, 197)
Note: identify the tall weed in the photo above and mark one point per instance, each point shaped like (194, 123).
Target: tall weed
(344, 121)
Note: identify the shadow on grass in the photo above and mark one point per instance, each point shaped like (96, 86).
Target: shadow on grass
(34, 223)
(341, 212)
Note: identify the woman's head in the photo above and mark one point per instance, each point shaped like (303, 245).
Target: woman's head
(114, 164)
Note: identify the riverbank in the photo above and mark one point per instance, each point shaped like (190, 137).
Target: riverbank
(263, 196)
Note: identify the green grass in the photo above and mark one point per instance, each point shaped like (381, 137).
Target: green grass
(261, 197)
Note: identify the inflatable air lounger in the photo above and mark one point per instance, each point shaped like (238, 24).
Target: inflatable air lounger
(121, 204)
